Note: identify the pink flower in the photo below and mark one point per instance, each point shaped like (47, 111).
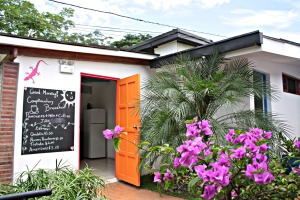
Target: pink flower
(229, 135)
(234, 194)
(204, 125)
(176, 163)
(250, 168)
(297, 144)
(240, 152)
(108, 134)
(157, 177)
(200, 170)
(192, 130)
(263, 178)
(188, 159)
(207, 152)
(224, 162)
(263, 148)
(118, 130)
(209, 192)
(268, 135)
(168, 175)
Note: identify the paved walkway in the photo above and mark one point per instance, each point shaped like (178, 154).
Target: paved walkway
(123, 191)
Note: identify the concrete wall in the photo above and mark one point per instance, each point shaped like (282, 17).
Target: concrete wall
(51, 78)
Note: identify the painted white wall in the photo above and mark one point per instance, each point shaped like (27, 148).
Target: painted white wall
(181, 46)
(281, 48)
(165, 49)
(288, 105)
(171, 47)
(274, 58)
(51, 78)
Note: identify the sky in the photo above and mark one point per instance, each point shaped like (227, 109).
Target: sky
(211, 19)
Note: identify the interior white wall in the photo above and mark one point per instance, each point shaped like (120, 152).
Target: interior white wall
(51, 78)
(103, 96)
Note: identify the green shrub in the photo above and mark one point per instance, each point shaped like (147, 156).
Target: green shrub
(65, 183)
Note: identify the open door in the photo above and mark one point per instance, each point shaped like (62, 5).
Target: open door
(128, 117)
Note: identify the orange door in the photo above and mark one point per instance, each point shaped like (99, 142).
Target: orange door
(128, 117)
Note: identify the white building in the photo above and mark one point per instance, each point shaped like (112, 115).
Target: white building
(46, 86)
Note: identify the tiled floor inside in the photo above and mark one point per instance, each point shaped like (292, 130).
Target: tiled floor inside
(103, 167)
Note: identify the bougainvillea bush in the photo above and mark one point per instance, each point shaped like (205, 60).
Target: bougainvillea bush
(244, 168)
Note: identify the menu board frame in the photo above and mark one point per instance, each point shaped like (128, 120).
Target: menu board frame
(48, 121)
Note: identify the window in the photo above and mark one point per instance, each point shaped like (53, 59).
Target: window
(290, 84)
(261, 103)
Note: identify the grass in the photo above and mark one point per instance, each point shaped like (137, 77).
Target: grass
(147, 183)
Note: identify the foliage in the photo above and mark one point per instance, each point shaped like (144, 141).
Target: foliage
(241, 169)
(115, 135)
(147, 183)
(64, 182)
(130, 40)
(20, 17)
(212, 88)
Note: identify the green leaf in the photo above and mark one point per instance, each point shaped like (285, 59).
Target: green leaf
(144, 143)
(297, 162)
(193, 182)
(117, 142)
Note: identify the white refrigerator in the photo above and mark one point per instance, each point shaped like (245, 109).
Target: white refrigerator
(94, 141)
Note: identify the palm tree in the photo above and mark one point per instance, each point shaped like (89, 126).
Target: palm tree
(212, 88)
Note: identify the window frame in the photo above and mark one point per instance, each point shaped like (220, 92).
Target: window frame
(285, 86)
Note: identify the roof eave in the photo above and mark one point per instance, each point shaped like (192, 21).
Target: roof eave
(254, 38)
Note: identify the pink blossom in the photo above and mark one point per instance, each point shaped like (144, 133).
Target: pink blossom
(268, 135)
(224, 162)
(263, 178)
(251, 146)
(204, 125)
(250, 168)
(192, 130)
(176, 163)
(297, 144)
(229, 135)
(234, 194)
(207, 152)
(200, 170)
(188, 159)
(157, 177)
(168, 175)
(118, 130)
(263, 148)
(240, 152)
(108, 134)
(209, 192)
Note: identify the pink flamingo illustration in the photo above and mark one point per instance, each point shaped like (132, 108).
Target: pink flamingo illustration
(34, 71)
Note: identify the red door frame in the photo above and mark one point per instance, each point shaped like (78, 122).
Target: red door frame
(89, 76)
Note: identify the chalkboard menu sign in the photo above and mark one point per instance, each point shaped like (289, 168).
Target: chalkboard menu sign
(48, 121)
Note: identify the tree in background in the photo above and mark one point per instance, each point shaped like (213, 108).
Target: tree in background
(20, 17)
(130, 40)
